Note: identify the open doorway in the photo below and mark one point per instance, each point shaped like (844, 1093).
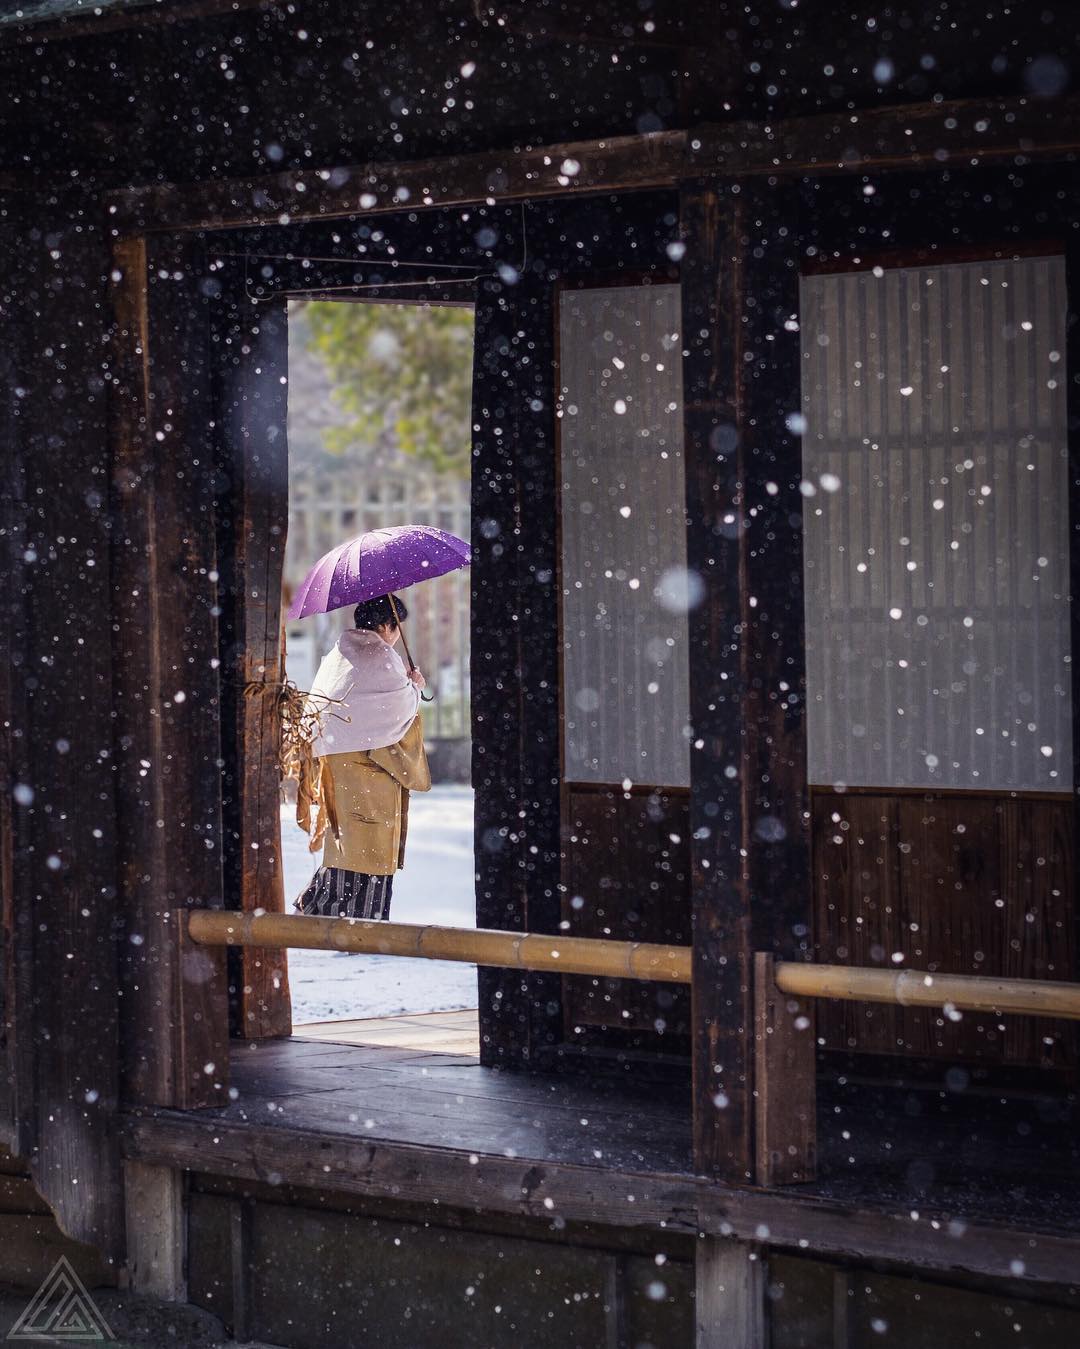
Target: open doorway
(379, 435)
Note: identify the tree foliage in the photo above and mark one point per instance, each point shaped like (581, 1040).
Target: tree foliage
(400, 368)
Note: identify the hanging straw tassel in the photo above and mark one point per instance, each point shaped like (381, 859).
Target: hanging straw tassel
(298, 721)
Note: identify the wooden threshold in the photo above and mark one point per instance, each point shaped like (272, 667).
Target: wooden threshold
(438, 1032)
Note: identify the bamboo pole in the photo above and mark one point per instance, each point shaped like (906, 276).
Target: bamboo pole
(627, 960)
(480, 946)
(918, 988)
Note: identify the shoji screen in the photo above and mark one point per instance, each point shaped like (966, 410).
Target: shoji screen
(623, 527)
(936, 533)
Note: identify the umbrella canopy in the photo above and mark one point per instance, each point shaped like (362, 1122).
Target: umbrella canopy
(376, 563)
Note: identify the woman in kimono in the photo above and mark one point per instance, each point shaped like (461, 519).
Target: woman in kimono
(367, 757)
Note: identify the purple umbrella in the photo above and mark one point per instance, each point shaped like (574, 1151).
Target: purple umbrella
(376, 563)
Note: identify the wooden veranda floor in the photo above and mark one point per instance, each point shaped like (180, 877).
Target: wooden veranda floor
(432, 1099)
(941, 1178)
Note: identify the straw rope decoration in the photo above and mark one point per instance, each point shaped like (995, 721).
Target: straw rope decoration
(298, 719)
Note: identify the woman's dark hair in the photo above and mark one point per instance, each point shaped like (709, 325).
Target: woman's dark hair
(377, 613)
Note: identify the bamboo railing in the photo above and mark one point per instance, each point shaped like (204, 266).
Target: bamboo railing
(918, 988)
(480, 946)
(628, 960)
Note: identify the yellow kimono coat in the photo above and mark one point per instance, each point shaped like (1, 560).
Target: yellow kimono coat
(362, 804)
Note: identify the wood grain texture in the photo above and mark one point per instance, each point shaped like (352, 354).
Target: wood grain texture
(154, 1206)
(965, 130)
(59, 905)
(949, 882)
(785, 1081)
(627, 871)
(165, 644)
(513, 664)
(251, 416)
(496, 1184)
(748, 760)
(729, 1294)
(713, 283)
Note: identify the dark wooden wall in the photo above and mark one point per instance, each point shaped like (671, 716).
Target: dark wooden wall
(312, 1268)
(319, 1270)
(627, 866)
(12, 748)
(952, 883)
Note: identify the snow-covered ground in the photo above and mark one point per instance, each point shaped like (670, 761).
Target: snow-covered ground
(436, 886)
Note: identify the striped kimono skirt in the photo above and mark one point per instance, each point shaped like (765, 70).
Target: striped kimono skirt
(336, 893)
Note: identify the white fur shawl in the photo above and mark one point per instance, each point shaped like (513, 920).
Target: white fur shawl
(363, 695)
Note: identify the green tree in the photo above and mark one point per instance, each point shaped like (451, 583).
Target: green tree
(402, 366)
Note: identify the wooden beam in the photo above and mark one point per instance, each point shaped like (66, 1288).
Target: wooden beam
(508, 950)
(729, 1294)
(912, 136)
(16, 917)
(81, 23)
(909, 136)
(793, 1220)
(624, 163)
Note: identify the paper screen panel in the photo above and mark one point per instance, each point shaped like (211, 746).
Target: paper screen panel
(623, 522)
(937, 535)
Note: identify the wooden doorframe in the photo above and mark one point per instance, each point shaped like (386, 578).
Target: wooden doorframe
(250, 414)
(174, 1030)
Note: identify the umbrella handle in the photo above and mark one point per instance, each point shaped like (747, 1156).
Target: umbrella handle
(424, 697)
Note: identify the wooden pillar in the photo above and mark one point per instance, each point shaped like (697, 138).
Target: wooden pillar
(750, 859)
(156, 1227)
(168, 710)
(16, 925)
(729, 1295)
(250, 359)
(514, 664)
(58, 987)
